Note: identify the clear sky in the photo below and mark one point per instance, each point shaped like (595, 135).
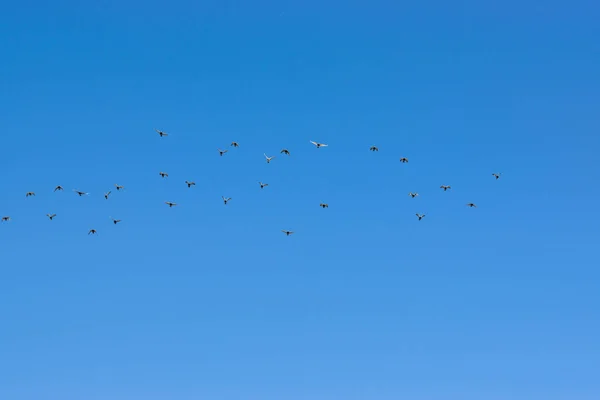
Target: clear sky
(206, 301)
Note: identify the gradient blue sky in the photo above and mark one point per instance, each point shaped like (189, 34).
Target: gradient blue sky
(204, 301)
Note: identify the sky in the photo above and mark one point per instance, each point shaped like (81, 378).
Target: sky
(363, 301)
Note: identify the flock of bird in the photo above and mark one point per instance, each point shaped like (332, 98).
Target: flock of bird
(268, 159)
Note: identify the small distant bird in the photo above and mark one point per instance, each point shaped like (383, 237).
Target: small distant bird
(420, 216)
(225, 199)
(413, 195)
(115, 221)
(269, 158)
(497, 176)
(471, 205)
(161, 133)
(287, 233)
(235, 144)
(119, 187)
(374, 148)
(29, 194)
(445, 187)
(404, 160)
(285, 151)
(51, 216)
(324, 205)
(107, 194)
(80, 193)
(58, 188)
(319, 145)
(92, 232)
(163, 174)
(170, 204)
(190, 184)
(262, 185)
(221, 152)
(5, 219)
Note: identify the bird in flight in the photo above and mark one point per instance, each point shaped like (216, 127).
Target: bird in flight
(163, 174)
(170, 204)
(29, 194)
(190, 183)
(58, 188)
(374, 148)
(119, 187)
(324, 205)
(497, 176)
(404, 160)
(287, 233)
(269, 158)
(285, 151)
(472, 205)
(413, 195)
(235, 144)
(445, 187)
(92, 232)
(319, 145)
(161, 133)
(225, 199)
(221, 152)
(115, 221)
(107, 194)
(80, 193)
(262, 185)
(51, 216)
(420, 216)
(5, 219)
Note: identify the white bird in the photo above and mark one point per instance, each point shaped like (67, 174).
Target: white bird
(51, 216)
(225, 199)
(287, 233)
(268, 158)
(119, 187)
(161, 133)
(80, 193)
(319, 145)
(420, 216)
(170, 204)
(262, 185)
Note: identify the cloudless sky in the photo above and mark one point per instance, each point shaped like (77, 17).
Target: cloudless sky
(206, 301)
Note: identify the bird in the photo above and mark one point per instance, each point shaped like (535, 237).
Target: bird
(92, 232)
(420, 216)
(287, 233)
(374, 148)
(404, 160)
(58, 188)
(29, 194)
(269, 158)
(119, 187)
(161, 133)
(221, 152)
(170, 204)
(445, 187)
(235, 144)
(51, 216)
(324, 205)
(413, 195)
(5, 219)
(163, 174)
(80, 193)
(262, 185)
(190, 183)
(319, 145)
(115, 221)
(285, 151)
(497, 176)
(471, 205)
(107, 194)
(226, 199)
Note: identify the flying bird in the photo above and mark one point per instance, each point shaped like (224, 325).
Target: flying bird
(225, 199)
(115, 221)
(404, 160)
(51, 216)
(374, 148)
(445, 187)
(269, 158)
(170, 204)
(472, 205)
(163, 174)
(221, 152)
(262, 185)
(285, 151)
(235, 144)
(324, 205)
(80, 193)
(413, 195)
(319, 145)
(420, 216)
(58, 188)
(287, 233)
(161, 133)
(29, 194)
(190, 184)
(107, 194)
(497, 176)
(119, 187)
(5, 219)
(92, 232)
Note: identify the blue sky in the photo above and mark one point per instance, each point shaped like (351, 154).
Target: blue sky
(204, 301)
